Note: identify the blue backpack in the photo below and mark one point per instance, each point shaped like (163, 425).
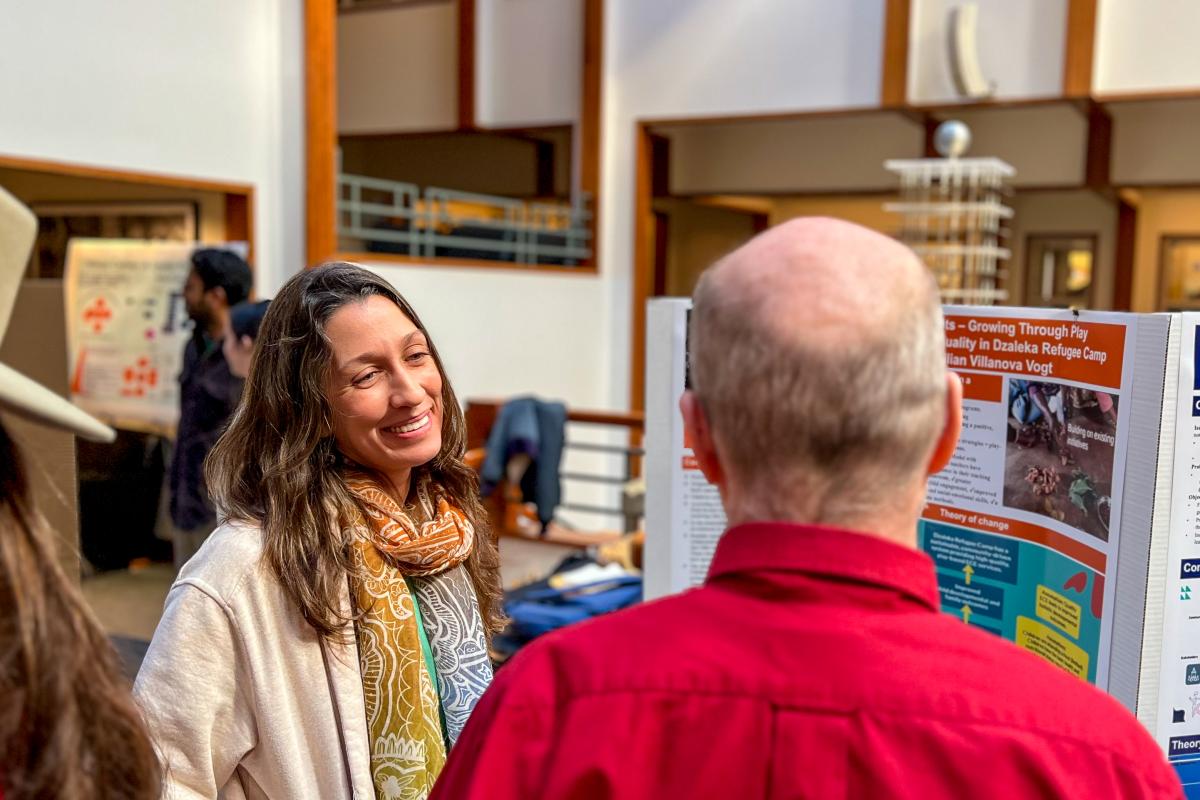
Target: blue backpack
(541, 608)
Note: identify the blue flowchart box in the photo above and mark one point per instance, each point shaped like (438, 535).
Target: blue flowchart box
(988, 556)
(987, 601)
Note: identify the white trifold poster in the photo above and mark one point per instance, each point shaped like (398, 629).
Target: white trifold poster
(1175, 576)
(126, 328)
(1068, 521)
(684, 518)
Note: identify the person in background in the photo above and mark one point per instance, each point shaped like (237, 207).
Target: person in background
(814, 661)
(208, 392)
(241, 329)
(329, 641)
(68, 726)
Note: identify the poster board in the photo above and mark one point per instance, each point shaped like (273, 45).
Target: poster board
(1024, 524)
(684, 517)
(1078, 538)
(127, 325)
(1024, 529)
(1172, 683)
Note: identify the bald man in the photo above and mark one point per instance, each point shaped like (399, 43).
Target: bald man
(814, 662)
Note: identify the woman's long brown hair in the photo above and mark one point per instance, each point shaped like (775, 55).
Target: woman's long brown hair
(68, 725)
(277, 464)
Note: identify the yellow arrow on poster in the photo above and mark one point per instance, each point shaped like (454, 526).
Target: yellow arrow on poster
(968, 570)
(966, 612)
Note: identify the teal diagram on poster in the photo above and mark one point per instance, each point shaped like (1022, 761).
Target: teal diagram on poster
(1026, 592)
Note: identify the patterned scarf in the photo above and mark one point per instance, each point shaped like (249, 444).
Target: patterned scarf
(413, 593)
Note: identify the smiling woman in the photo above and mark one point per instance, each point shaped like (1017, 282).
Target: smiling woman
(354, 578)
(385, 390)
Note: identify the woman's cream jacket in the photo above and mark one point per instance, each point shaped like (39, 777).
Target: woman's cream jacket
(242, 698)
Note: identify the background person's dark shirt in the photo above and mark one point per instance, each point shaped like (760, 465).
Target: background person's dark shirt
(208, 394)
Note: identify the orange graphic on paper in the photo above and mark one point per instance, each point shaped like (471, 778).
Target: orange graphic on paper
(139, 379)
(97, 314)
(77, 378)
(1041, 349)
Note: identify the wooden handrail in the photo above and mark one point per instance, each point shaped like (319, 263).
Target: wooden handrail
(481, 414)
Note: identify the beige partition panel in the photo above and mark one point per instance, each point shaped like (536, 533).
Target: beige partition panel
(36, 345)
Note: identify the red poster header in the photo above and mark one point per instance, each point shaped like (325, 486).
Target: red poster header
(1082, 352)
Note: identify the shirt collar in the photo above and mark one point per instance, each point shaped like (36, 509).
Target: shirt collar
(829, 552)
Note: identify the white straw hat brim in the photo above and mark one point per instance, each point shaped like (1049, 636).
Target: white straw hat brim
(18, 393)
(29, 399)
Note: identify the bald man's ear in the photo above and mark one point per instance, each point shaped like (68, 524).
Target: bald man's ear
(947, 441)
(695, 423)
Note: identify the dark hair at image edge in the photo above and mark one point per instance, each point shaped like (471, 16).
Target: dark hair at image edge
(225, 269)
(278, 465)
(246, 317)
(68, 724)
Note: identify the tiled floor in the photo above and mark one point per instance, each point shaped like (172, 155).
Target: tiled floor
(129, 602)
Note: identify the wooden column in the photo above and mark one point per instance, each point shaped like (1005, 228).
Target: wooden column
(320, 114)
(1079, 48)
(1099, 146)
(1124, 259)
(894, 83)
(467, 44)
(239, 220)
(643, 264)
(590, 113)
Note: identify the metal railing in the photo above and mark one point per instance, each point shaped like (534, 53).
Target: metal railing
(630, 507)
(401, 218)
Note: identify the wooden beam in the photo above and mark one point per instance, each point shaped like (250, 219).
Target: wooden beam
(1099, 147)
(238, 197)
(1079, 48)
(1124, 259)
(239, 221)
(931, 126)
(320, 116)
(74, 170)
(467, 47)
(544, 167)
(913, 111)
(894, 82)
(399, 259)
(662, 241)
(660, 159)
(1154, 96)
(643, 264)
(591, 108)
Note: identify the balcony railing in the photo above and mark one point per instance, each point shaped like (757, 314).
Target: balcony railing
(383, 216)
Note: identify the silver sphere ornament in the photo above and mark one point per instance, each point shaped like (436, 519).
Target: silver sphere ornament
(952, 138)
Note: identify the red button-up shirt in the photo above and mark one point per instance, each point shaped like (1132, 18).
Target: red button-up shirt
(813, 663)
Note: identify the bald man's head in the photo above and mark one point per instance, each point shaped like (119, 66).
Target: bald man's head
(817, 354)
(832, 272)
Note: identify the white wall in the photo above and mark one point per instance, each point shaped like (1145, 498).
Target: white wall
(823, 154)
(207, 90)
(1047, 144)
(1021, 45)
(397, 69)
(699, 235)
(1156, 142)
(1065, 212)
(1147, 45)
(504, 332)
(528, 62)
(712, 57)
(697, 57)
